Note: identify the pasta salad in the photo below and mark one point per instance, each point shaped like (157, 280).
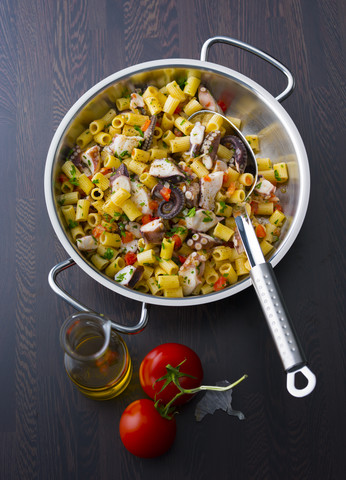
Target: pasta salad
(150, 198)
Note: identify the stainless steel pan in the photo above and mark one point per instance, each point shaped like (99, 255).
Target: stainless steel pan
(261, 114)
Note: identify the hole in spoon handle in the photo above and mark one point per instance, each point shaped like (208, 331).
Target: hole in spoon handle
(301, 392)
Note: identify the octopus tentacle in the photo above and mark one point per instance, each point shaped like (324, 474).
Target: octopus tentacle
(200, 241)
(149, 133)
(240, 153)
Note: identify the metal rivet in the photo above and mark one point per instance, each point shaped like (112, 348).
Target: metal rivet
(284, 326)
(265, 276)
(287, 334)
(293, 349)
(289, 341)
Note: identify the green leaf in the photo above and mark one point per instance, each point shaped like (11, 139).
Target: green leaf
(192, 212)
(277, 176)
(72, 224)
(109, 253)
(74, 181)
(139, 130)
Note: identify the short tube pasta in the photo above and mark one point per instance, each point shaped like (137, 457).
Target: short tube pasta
(165, 232)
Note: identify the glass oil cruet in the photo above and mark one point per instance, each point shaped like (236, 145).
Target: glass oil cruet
(96, 358)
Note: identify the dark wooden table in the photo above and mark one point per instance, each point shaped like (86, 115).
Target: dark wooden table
(52, 51)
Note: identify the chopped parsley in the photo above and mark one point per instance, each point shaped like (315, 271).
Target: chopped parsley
(258, 185)
(176, 230)
(182, 122)
(73, 171)
(125, 153)
(277, 176)
(120, 277)
(139, 130)
(61, 201)
(182, 82)
(207, 216)
(223, 207)
(72, 224)
(95, 181)
(192, 212)
(108, 254)
(74, 181)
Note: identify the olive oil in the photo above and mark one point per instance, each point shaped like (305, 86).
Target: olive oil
(96, 358)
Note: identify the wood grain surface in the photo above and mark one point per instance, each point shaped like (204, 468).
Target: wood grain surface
(51, 52)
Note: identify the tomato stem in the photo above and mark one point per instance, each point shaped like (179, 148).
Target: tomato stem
(192, 391)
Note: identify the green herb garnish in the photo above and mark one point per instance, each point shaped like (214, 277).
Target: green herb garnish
(277, 176)
(139, 130)
(74, 181)
(72, 224)
(207, 218)
(108, 254)
(192, 212)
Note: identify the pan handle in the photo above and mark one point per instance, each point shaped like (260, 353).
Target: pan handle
(245, 46)
(52, 280)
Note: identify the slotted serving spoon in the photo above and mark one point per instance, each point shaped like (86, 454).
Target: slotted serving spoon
(268, 291)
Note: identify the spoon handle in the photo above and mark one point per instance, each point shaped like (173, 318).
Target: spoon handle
(275, 311)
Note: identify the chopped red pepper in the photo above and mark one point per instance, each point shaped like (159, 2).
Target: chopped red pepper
(178, 109)
(153, 204)
(254, 207)
(206, 178)
(127, 237)
(105, 170)
(182, 259)
(146, 219)
(220, 284)
(277, 206)
(98, 231)
(225, 178)
(166, 193)
(130, 258)
(145, 125)
(62, 178)
(177, 242)
(260, 231)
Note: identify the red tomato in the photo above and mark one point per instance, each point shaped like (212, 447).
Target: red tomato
(153, 205)
(220, 284)
(254, 207)
(260, 231)
(130, 258)
(278, 207)
(177, 242)
(166, 193)
(105, 170)
(144, 432)
(153, 367)
(128, 237)
(146, 219)
(182, 259)
(98, 231)
(62, 178)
